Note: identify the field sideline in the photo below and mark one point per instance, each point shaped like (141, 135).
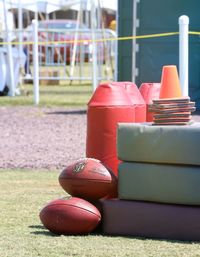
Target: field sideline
(25, 192)
(59, 95)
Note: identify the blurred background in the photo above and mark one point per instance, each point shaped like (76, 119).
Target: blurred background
(73, 42)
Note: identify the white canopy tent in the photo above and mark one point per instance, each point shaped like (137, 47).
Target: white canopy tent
(49, 6)
(45, 6)
(107, 4)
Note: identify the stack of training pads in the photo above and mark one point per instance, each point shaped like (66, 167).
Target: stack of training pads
(172, 111)
(159, 183)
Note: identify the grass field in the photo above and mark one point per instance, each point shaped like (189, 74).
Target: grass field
(58, 95)
(24, 193)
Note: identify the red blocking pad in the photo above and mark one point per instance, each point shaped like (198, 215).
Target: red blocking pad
(136, 99)
(101, 133)
(149, 91)
(152, 220)
(109, 105)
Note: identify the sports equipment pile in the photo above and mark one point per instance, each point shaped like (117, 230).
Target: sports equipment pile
(86, 180)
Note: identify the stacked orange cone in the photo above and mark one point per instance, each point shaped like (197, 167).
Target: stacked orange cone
(170, 85)
(171, 108)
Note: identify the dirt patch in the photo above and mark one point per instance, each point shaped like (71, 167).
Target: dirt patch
(43, 138)
(48, 138)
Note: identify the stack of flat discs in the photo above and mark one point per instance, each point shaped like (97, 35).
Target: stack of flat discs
(172, 111)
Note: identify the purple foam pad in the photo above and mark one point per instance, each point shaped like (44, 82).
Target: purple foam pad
(152, 220)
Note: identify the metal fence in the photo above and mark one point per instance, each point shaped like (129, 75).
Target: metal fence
(68, 54)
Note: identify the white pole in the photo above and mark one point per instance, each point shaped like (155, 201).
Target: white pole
(94, 46)
(9, 55)
(72, 61)
(35, 62)
(183, 53)
(20, 27)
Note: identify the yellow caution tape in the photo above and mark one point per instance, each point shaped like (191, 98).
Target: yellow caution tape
(149, 36)
(101, 39)
(194, 33)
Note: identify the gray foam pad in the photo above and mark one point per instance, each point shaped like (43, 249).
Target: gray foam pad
(178, 184)
(159, 144)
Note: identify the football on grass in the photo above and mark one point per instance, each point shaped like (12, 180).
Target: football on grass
(73, 216)
(89, 179)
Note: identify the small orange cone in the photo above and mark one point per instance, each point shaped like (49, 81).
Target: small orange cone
(170, 85)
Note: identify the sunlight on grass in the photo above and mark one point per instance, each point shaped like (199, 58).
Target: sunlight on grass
(25, 192)
(58, 95)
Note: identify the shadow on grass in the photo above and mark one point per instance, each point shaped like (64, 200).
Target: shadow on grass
(41, 230)
(74, 112)
(71, 93)
(172, 241)
(44, 233)
(37, 226)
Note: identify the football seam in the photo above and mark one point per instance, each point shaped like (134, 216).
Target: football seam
(104, 181)
(75, 207)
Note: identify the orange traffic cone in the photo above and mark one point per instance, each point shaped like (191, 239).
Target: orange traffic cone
(170, 85)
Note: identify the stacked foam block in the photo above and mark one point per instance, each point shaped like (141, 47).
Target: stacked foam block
(159, 178)
(172, 111)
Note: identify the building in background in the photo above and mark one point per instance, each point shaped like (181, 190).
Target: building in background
(143, 59)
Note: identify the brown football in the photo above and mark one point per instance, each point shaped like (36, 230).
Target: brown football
(89, 179)
(71, 216)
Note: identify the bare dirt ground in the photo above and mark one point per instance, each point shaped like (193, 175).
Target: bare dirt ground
(43, 138)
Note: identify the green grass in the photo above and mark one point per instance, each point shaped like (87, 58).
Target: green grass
(24, 193)
(54, 95)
